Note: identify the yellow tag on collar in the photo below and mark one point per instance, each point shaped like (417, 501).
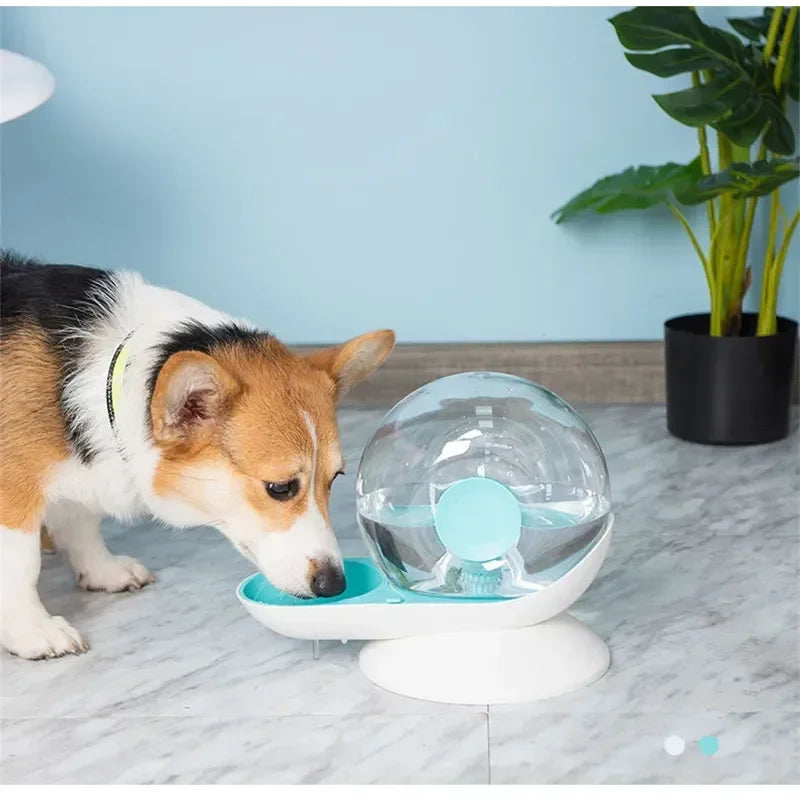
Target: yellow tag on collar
(116, 376)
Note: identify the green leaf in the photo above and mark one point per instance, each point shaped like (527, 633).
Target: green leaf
(635, 188)
(793, 86)
(779, 137)
(741, 180)
(747, 124)
(704, 105)
(752, 28)
(649, 28)
(756, 28)
(739, 99)
(667, 63)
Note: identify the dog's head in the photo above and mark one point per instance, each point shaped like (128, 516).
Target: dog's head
(249, 443)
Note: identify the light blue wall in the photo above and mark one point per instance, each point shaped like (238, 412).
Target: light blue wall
(328, 171)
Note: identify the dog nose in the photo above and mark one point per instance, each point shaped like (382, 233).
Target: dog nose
(328, 580)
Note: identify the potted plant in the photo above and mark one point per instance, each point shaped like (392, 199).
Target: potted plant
(728, 373)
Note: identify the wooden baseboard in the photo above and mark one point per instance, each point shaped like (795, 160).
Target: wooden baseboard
(598, 372)
(583, 373)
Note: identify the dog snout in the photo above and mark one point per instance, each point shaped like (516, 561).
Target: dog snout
(327, 579)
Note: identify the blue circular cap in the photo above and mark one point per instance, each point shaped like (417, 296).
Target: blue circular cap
(478, 519)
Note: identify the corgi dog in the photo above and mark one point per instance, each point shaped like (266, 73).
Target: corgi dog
(118, 398)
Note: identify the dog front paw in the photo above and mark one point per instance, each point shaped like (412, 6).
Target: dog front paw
(115, 574)
(43, 637)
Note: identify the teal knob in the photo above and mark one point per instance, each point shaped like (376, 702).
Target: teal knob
(478, 519)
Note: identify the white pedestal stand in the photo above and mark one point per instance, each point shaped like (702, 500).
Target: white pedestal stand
(487, 667)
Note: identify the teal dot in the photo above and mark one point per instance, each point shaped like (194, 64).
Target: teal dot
(708, 745)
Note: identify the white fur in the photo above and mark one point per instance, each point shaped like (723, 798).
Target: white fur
(111, 484)
(75, 531)
(284, 556)
(118, 481)
(27, 629)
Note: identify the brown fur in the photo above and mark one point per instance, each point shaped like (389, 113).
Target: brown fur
(32, 434)
(251, 428)
(46, 541)
(252, 431)
(247, 425)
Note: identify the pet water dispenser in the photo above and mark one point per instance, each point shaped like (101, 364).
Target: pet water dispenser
(484, 501)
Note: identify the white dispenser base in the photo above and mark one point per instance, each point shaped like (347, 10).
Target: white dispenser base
(512, 665)
(525, 648)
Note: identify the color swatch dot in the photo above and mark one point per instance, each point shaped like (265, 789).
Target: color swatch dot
(674, 745)
(708, 745)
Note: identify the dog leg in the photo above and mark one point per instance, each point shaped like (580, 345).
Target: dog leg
(76, 532)
(26, 628)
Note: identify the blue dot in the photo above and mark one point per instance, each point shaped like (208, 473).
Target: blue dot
(708, 745)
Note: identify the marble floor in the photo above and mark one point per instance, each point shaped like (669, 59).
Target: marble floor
(698, 599)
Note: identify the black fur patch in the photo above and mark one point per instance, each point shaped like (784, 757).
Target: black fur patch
(194, 335)
(56, 297)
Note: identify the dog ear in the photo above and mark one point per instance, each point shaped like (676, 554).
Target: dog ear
(192, 392)
(352, 361)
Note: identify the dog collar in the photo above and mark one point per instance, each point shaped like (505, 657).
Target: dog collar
(114, 380)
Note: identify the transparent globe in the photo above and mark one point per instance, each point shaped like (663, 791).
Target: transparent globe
(481, 485)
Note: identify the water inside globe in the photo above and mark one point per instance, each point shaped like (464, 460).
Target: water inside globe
(554, 536)
(492, 427)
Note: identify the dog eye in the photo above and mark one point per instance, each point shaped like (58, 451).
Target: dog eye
(283, 491)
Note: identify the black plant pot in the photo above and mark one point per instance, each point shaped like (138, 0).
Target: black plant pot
(728, 389)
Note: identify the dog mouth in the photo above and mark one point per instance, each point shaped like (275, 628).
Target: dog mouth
(300, 594)
(328, 583)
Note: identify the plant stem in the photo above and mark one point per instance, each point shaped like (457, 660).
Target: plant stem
(787, 239)
(719, 310)
(773, 265)
(768, 322)
(772, 33)
(783, 52)
(705, 164)
(711, 212)
(737, 268)
(744, 241)
(693, 239)
(764, 323)
(723, 252)
(744, 245)
(725, 149)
